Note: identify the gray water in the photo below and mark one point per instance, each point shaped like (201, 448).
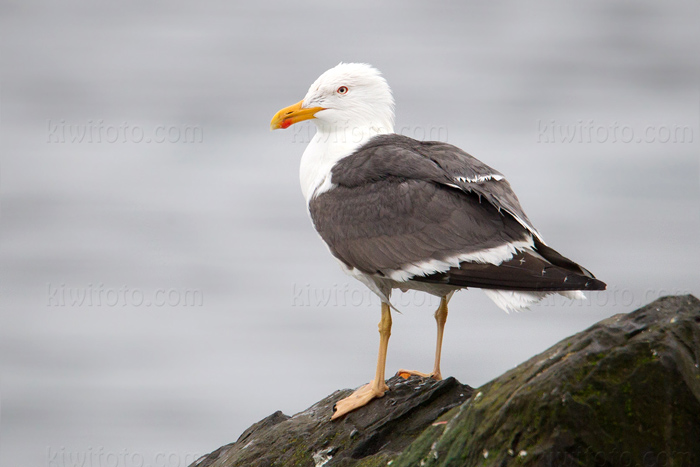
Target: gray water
(590, 109)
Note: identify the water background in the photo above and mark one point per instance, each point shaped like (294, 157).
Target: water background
(580, 105)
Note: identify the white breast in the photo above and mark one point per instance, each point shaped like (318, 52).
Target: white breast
(323, 152)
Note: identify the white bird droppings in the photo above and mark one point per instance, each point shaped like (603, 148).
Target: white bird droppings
(321, 458)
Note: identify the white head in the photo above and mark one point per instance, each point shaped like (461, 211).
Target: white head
(349, 95)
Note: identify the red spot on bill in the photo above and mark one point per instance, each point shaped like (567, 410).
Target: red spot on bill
(286, 123)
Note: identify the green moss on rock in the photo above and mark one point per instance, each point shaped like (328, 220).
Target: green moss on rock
(624, 392)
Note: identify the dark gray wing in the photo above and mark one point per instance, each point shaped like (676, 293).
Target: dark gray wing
(399, 204)
(392, 205)
(439, 162)
(472, 175)
(394, 223)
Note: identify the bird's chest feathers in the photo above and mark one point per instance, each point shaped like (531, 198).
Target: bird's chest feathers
(317, 162)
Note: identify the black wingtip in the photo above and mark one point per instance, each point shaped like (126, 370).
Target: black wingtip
(595, 284)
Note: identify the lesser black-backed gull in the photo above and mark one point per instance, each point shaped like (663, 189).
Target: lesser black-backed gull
(398, 213)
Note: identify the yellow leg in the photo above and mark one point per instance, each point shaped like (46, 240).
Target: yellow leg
(377, 386)
(441, 319)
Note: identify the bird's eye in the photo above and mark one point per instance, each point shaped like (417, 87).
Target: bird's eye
(342, 90)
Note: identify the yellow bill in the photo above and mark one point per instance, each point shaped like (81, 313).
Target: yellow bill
(291, 115)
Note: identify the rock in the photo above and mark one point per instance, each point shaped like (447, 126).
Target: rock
(625, 392)
(367, 437)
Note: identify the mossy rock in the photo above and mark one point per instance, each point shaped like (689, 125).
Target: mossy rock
(624, 392)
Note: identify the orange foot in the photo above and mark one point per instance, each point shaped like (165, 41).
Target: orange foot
(359, 398)
(405, 374)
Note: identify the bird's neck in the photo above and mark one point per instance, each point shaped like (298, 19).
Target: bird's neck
(329, 145)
